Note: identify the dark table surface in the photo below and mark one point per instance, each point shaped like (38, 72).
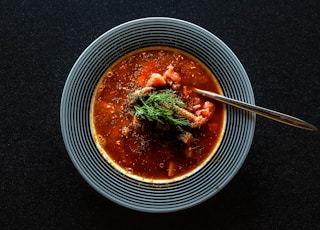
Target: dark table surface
(277, 42)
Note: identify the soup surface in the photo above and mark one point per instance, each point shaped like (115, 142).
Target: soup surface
(146, 120)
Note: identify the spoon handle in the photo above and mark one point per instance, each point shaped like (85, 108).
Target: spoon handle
(277, 116)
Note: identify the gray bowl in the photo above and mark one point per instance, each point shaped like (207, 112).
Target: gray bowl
(75, 115)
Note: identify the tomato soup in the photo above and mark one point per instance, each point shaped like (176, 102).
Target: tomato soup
(148, 123)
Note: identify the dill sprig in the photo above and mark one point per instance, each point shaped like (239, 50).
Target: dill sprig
(158, 107)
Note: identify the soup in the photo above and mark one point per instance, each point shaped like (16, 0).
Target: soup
(146, 120)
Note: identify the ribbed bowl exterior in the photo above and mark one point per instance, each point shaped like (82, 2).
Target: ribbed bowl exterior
(75, 114)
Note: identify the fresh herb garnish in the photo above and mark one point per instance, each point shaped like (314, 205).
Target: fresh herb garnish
(158, 107)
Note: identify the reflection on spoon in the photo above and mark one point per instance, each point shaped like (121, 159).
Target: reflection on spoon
(284, 118)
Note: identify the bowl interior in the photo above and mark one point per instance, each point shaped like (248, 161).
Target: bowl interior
(75, 114)
(128, 169)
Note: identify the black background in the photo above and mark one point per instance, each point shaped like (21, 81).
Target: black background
(277, 42)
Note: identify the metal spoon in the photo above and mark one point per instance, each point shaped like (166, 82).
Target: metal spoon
(277, 116)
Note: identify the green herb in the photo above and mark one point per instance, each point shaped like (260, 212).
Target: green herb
(158, 107)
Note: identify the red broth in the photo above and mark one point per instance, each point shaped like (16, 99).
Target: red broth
(139, 148)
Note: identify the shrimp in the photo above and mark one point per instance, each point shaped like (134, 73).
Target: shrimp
(156, 80)
(200, 117)
(170, 73)
(169, 77)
